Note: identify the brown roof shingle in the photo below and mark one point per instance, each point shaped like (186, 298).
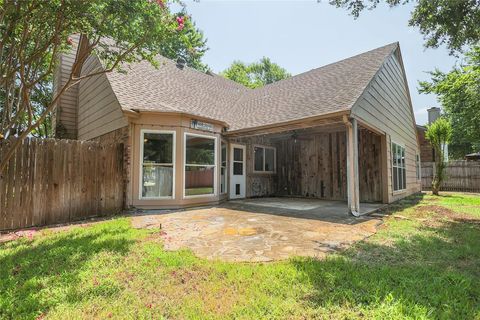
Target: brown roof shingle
(331, 88)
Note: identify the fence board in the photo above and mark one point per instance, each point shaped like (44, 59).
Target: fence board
(460, 175)
(50, 181)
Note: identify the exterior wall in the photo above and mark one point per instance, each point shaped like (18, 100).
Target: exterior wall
(426, 150)
(257, 184)
(181, 125)
(98, 109)
(385, 105)
(65, 116)
(314, 166)
(122, 136)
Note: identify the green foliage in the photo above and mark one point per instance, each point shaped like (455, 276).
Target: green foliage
(256, 74)
(454, 23)
(459, 93)
(33, 33)
(439, 133)
(424, 266)
(189, 45)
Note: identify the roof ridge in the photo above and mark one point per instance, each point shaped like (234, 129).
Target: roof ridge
(396, 43)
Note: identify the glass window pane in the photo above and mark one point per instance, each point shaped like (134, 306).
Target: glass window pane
(223, 180)
(258, 156)
(400, 178)
(395, 179)
(403, 157)
(200, 150)
(269, 159)
(157, 148)
(404, 178)
(238, 168)
(237, 154)
(157, 181)
(394, 154)
(224, 154)
(199, 180)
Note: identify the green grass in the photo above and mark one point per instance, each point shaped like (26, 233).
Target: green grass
(198, 191)
(424, 265)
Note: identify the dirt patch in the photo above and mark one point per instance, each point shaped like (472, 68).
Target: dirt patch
(442, 213)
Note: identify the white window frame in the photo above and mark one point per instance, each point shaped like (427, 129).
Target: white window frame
(222, 141)
(215, 165)
(174, 151)
(395, 167)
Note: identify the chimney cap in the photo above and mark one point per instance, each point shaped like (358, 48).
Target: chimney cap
(181, 62)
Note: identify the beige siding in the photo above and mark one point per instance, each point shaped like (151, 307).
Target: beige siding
(65, 117)
(99, 111)
(385, 105)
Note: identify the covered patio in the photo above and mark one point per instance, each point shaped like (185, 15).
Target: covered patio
(334, 158)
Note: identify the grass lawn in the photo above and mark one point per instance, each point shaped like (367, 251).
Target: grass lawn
(424, 263)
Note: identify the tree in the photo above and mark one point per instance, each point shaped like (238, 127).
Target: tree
(439, 134)
(33, 33)
(256, 74)
(459, 93)
(454, 23)
(190, 45)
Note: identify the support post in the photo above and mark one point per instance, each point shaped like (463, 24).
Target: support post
(353, 188)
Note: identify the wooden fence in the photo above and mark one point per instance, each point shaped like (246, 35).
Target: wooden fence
(52, 181)
(459, 176)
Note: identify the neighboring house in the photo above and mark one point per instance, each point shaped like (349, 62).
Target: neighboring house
(473, 156)
(345, 131)
(427, 152)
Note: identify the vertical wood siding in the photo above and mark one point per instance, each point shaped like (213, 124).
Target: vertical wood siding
(315, 166)
(98, 109)
(52, 181)
(385, 105)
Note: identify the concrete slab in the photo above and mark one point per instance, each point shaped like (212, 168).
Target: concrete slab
(260, 230)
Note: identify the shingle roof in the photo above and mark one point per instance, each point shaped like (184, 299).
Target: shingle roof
(331, 88)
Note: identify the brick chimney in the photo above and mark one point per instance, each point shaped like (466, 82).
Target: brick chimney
(433, 114)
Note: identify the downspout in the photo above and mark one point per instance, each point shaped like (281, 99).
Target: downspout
(352, 170)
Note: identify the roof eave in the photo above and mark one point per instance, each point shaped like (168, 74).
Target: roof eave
(291, 124)
(135, 113)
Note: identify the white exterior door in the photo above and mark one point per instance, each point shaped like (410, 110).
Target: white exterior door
(237, 171)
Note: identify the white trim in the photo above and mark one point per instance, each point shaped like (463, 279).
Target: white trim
(274, 159)
(140, 178)
(394, 192)
(232, 193)
(215, 172)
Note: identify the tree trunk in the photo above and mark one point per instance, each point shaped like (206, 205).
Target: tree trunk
(438, 177)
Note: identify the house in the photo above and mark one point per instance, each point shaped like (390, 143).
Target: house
(473, 156)
(427, 152)
(345, 131)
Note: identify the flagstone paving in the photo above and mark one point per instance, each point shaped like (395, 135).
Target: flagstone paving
(260, 231)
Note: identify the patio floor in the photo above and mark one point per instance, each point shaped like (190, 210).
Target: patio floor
(262, 229)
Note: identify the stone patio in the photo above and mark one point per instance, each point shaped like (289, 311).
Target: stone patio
(263, 229)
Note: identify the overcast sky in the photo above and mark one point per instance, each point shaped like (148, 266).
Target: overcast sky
(303, 35)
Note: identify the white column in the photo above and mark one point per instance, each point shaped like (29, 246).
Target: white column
(353, 194)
